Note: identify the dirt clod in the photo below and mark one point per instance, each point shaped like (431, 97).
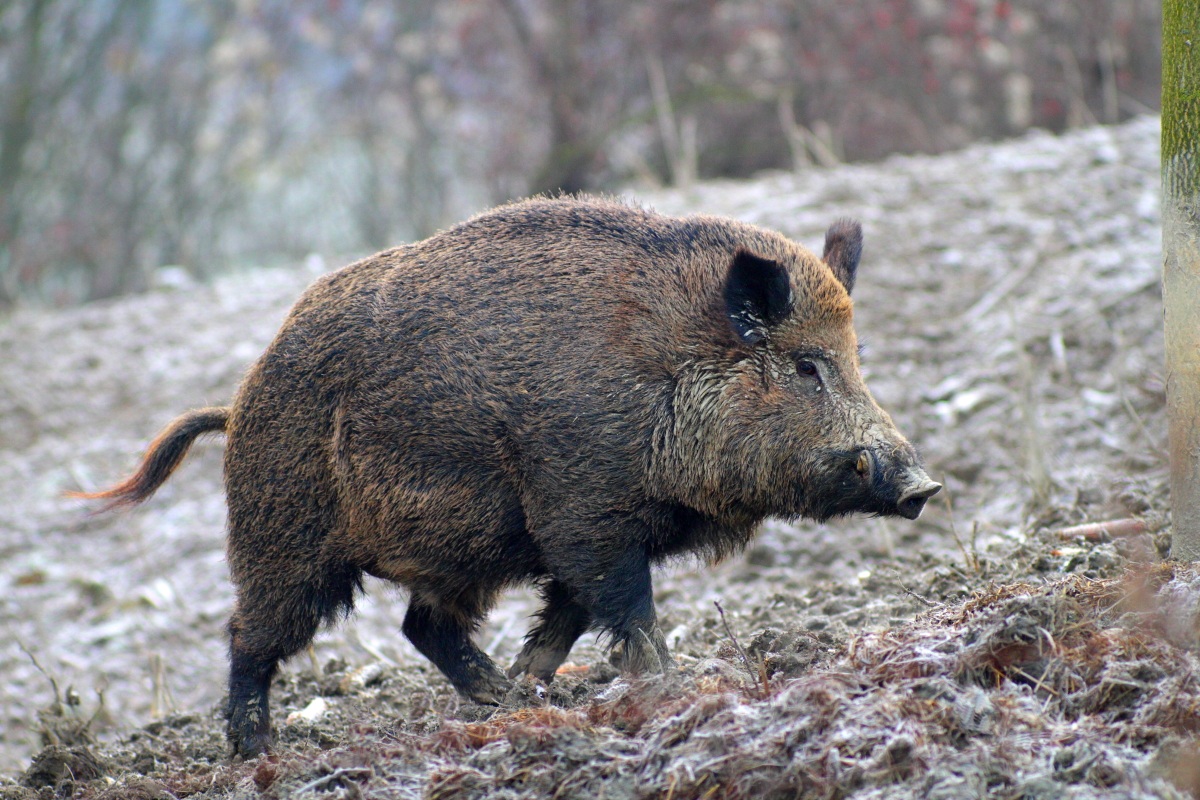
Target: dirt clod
(62, 768)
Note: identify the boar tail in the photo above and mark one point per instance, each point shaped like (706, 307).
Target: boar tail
(161, 459)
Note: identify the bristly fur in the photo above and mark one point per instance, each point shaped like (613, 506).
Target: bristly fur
(560, 391)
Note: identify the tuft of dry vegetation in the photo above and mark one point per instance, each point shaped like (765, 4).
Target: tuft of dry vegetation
(1071, 687)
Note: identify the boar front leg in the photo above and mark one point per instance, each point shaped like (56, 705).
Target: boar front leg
(615, 588)
(443, 635)
(561, 622)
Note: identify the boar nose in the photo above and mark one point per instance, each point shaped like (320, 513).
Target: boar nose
(913, 500)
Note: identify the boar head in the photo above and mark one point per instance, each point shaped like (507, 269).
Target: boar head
(784, 424)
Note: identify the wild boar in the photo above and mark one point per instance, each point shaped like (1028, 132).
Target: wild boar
(560, 392)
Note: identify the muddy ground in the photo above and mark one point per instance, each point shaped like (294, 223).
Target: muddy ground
(1010, 304)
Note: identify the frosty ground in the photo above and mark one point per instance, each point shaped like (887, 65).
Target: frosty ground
(1010, 304)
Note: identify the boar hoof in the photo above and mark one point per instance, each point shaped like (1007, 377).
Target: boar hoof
(540, 663)
(487, 687)
(254, 746)
(249, 727)
(250, 744)
(643, 652)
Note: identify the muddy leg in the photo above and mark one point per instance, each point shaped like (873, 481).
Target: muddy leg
(549, 643)
(445, 639)
(268, 626)
(248, 711)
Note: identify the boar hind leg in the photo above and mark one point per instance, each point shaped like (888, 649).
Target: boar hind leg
(267, 626)
(562, 620)
(249, 712)
(444, 637)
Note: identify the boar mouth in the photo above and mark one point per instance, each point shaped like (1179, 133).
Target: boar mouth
(866, 482)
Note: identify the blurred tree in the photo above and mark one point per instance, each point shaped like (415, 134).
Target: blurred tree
(389, 103)
(1181, 265)
(576, 54)
(555, 61)
(138, 134)
(103, 167)
(16, 132)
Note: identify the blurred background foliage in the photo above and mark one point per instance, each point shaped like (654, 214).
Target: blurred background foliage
(207, 133)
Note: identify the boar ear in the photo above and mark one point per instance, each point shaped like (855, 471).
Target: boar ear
(843, 248)
(758, 295)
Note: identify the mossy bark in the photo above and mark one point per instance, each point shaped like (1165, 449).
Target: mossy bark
(1181, 265)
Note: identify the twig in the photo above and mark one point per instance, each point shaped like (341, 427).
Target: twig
(1101, 531)
(928, 603)
(313, 663)
(374, 651)
(162, 703)
(761, 674)
(889, 544)
(500, 636)
(41, 669)
(1003, 287)
(87, 726)
(1037, 682)
(1137, 420)
(970, 559)
(1037, 466)
(650, 643)
(65, 708)
(1119, 344)
(975, 543)
(337, 774)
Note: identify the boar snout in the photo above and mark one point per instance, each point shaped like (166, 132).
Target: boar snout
(899, 484)
(912, 501)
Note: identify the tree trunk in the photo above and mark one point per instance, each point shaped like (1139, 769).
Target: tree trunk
(16, 132)
(1181, 265)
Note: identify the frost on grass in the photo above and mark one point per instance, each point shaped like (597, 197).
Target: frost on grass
(1023, 690)
(1074, 687)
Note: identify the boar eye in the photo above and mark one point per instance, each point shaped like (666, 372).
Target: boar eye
(806, 368)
